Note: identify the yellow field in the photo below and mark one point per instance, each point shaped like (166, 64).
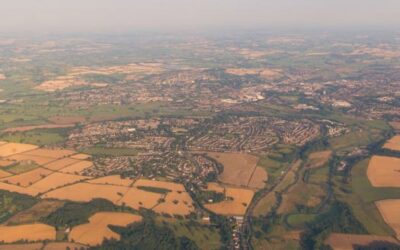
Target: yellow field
(51, 153)
(390, 211)
(112, 180)
(384, 171)
(30, 232)
(5, 163)
(81, 156)
(97, 229)
(318, 159)
(160, 184)
(263, 72)
(27, 246)
(258, 178)
(77, 168)
(56, 180)
(61, 163)
(15, 148)
(238, 167)
(176, 203)
(85, 192)
(393, 143)
(347, 241)
(37, 159)
(4, 174)
(237, 203)
(136, 198)
(28, 178)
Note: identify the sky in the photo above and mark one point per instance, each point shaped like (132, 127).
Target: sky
(130, 15)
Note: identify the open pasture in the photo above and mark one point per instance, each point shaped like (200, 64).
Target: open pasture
(94, 232)
(318, 159)
(384, 171)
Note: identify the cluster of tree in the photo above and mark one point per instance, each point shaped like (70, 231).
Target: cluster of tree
(72, 213)
(339, 219)
(12, 203)
(147, 235)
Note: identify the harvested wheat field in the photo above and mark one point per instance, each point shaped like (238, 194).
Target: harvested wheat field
(6, 163)
(238, 200)
(176, 203)
(384, 171)
(136, 198)
(17, 189)
(348, 241)
(28, 178)
(77, 168)
(86, 192)
(51, 153)
(61, 163)
(318, 159)
(112, 180)
(15, 148)
(97, 229)
(56, 180)
(37, 159)
(238, 167)
(390, 211)
(4, 174)
(393, 143)
(159, 184)
(80, 156)
(27, 246)
(29, 232)
(258, 178)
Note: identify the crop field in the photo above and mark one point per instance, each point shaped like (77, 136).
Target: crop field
(43, 246)
(77, 167)
(389, 210)
(28, 178)
(51, 153)
(238, 200)
(94, 232)
(29, 232)
(318, 159)
(120, 191)
(258, 178)
(384, 171)
(348, 241)
(61, 163)
(238, 168)
(112, 180)
(15, 148)
(393, 143)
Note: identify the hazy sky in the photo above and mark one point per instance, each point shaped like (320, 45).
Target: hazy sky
(121, 15)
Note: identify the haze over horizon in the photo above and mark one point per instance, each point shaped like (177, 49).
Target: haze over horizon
(125, 15)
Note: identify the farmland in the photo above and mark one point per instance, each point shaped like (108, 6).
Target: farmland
(384, 171)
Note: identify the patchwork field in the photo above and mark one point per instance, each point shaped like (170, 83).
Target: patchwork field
(393, 143)
(29, 232)
(162, 197)
(239, 169)
(390, 211)
(349, 241)
(94, 232)
(43, 246)
(237, 201)
(36, 170)
(384, 171)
